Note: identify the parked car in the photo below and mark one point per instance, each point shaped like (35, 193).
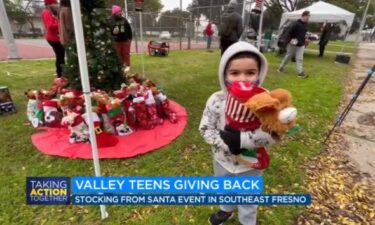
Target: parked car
(165, 35)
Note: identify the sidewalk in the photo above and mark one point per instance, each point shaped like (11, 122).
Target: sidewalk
(39, 48)
(359, 125)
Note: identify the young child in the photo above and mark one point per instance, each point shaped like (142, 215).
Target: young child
(240, 62)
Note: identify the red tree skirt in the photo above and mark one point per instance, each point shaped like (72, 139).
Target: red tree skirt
(56, 141)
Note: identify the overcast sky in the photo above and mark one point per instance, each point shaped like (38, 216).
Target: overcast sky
(171, 4)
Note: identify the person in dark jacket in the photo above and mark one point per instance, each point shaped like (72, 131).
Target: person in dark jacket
(296, 43)
(122, 33)
(231, 28)
(326, 30)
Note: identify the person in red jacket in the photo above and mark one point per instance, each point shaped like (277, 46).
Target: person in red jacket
(209, 32)
(51, 24)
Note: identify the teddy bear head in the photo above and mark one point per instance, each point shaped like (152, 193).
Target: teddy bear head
(72, 119)
(99, 99)
(274, 110)
(152, 86)
(113, 104)
(31, 94)
(52, 117)
(135, 78)
(71, 101)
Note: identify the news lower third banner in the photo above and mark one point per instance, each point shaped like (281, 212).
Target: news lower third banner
(249, 185)
(155, 191)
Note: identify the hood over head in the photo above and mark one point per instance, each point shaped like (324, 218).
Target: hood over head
(236, 48)
(232, 6)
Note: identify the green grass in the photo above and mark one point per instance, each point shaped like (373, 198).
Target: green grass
(189, 77)
(335, 46)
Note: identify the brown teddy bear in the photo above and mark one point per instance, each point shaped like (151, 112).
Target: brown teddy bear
(274, 110)
(276, 115)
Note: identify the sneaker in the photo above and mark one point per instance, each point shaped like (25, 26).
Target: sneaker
(280, 70)
(302, 75)
(220, 217)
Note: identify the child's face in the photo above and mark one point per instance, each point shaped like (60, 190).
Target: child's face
(245, 69)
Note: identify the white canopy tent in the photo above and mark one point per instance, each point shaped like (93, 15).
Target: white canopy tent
(321, 12)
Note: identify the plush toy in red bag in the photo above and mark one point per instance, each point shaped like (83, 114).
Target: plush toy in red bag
(52, 116)
(117, 117)
(103, 139)
(78, 129)
(240, 118)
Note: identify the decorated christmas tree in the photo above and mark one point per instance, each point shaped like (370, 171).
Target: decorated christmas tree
(105, 66)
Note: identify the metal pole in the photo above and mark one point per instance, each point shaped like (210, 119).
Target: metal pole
(243, 12)
(180, 24)
(135, 30)
(260, 26)
(362, 23)
(142, 51)
(211, 10)
(78, 30)
(351, 103)
(190, 28)
(126, 9)
(196, 25)
(7, 32)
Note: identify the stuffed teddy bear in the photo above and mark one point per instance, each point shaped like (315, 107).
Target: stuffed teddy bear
(162, 102)
(239, 118)
(276, 115)
(274, 110)
(34, 114)
(52, 116)
(135, 78)
(71, 101)
(116, 114)
(59, 85)
(78, 129)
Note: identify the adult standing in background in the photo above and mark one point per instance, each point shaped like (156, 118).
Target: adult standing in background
(66, 23)
(51, 24)
(122, 33)
(209, 32)
(296, 43)
(326, 30)
(231, 28)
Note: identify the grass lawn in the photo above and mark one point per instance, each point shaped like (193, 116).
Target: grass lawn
(189, 77)
(335, 46)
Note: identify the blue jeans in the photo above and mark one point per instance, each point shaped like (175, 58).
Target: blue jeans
(209, 41)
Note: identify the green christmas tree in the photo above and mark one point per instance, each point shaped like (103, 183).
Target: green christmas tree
(105, 66)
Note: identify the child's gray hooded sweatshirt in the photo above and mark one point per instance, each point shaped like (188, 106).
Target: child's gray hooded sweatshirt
(213, 119)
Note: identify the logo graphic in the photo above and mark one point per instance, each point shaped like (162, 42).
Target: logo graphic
(47, 190)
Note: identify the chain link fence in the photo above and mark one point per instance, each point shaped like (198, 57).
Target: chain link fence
(182, 30)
